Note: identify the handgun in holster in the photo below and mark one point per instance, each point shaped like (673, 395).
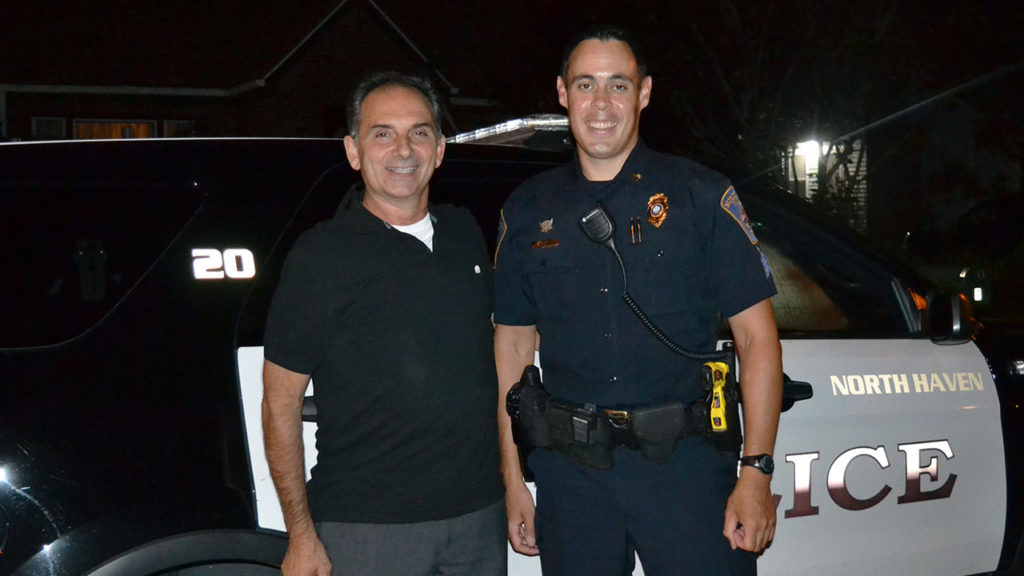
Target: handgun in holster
(526, 404)
(722, 403)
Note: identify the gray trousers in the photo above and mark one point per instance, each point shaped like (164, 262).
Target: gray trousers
(473, 544)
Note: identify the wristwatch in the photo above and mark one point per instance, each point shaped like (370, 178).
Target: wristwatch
(763, 462)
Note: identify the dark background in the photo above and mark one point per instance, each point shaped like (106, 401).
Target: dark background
(931, 87)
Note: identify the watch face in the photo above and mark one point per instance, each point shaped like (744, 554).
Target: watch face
(762, 462)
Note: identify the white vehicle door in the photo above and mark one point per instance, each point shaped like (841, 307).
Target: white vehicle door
(895, 465)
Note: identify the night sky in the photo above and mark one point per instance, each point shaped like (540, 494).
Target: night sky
(733, 80)
(510, 50)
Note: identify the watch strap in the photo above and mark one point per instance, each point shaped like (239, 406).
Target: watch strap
(762, 462)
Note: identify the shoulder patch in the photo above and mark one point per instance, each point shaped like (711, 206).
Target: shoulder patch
(764, 262)
(502, 230)
(731, 204)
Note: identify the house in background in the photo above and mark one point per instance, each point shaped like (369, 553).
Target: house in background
(225, 68)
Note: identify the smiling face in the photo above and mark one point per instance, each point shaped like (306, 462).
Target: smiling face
(397, 149)
(604, 94)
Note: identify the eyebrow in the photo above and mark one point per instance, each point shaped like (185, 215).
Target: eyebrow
(429, 125)
(612, 77)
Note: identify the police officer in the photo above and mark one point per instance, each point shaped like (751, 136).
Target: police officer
(689, 258)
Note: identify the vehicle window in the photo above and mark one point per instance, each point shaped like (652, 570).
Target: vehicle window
(801, 305)
(77, 250)
(826, 290)
(320, 204)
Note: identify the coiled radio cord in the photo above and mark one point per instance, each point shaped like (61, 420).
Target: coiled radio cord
(598, 227)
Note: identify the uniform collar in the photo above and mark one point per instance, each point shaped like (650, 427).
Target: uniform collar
(631, 172)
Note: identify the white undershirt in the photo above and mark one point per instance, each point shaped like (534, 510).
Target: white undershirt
(424, 230)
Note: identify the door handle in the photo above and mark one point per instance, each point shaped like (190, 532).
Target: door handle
(308, 409)
(794, 391)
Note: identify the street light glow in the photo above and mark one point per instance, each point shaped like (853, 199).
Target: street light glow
(810, 150)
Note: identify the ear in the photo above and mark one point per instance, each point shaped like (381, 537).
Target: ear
(352, 152)
(563, 93)
(440, 151)
(645, 92)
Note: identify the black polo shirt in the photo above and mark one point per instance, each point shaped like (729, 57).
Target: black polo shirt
(690, 257)
(399, 343)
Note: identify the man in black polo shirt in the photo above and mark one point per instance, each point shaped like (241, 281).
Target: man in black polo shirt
(689, 257)
(387, 307)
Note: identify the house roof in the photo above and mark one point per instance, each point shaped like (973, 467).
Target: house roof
(193, 46)
(479, 49)
(181, 44)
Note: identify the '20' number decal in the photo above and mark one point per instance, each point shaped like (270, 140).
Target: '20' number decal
(213, 264)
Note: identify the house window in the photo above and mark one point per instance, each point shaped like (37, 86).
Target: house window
(179, 128)
(48, 128)
(113, 129)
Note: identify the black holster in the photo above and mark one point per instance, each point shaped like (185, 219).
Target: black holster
(527, 404)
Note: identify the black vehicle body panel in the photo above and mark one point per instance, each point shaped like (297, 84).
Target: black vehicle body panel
(129, 430)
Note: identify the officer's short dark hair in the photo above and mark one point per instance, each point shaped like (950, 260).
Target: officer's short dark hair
(604, 34)
(390, 79)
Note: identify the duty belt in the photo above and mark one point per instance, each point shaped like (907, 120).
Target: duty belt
(589, 434)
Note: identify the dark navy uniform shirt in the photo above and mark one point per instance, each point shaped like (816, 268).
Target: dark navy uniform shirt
(690, 256)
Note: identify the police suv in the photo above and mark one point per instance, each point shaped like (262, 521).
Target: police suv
(136, 282)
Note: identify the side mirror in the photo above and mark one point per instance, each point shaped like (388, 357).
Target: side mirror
(949, 318)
